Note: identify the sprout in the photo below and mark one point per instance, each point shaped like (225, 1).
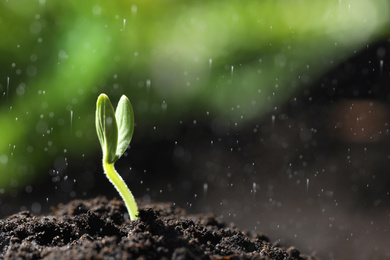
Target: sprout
(114, 131)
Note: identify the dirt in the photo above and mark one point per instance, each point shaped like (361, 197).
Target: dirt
(100, 229)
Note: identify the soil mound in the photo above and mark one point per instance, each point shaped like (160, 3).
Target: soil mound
(97, 229)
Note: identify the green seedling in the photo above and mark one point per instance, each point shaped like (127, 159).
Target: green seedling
(115, 131)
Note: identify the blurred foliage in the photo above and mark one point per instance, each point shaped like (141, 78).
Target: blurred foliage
(236, 60)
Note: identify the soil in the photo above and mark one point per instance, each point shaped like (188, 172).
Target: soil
(99, 229)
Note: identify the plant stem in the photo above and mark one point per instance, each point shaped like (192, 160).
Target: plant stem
(122, 188)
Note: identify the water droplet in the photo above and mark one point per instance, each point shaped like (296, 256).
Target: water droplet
(164, 105)
(254, 187)
(28, 189)
(71, 119)
(7, 86)
(307, 185)
(3, 159)
(96, 10)
(36, 207)
(134, 9)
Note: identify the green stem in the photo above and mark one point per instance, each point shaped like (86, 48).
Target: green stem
(122, 188)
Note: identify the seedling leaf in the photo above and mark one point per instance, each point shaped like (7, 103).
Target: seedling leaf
(125, 121)
(106, 128)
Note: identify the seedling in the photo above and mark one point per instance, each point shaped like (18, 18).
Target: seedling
(115, 131)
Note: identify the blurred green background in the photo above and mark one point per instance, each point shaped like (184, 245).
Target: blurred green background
(231, 60)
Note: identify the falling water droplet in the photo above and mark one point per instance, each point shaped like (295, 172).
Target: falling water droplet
(7, 86)
(273, 119)
(231, 70)
(210, 62)
(124, 24)
(307, 185)
(148, 82)
(381, 65)
(71, 119)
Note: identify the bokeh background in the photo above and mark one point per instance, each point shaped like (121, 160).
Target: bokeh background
(271, 114)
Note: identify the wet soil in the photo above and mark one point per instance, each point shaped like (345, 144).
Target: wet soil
(99, 229)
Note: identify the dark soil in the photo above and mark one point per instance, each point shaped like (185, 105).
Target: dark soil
(97, 229)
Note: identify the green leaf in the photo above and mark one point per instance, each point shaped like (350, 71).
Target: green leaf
(106, 128)
(125, 121)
